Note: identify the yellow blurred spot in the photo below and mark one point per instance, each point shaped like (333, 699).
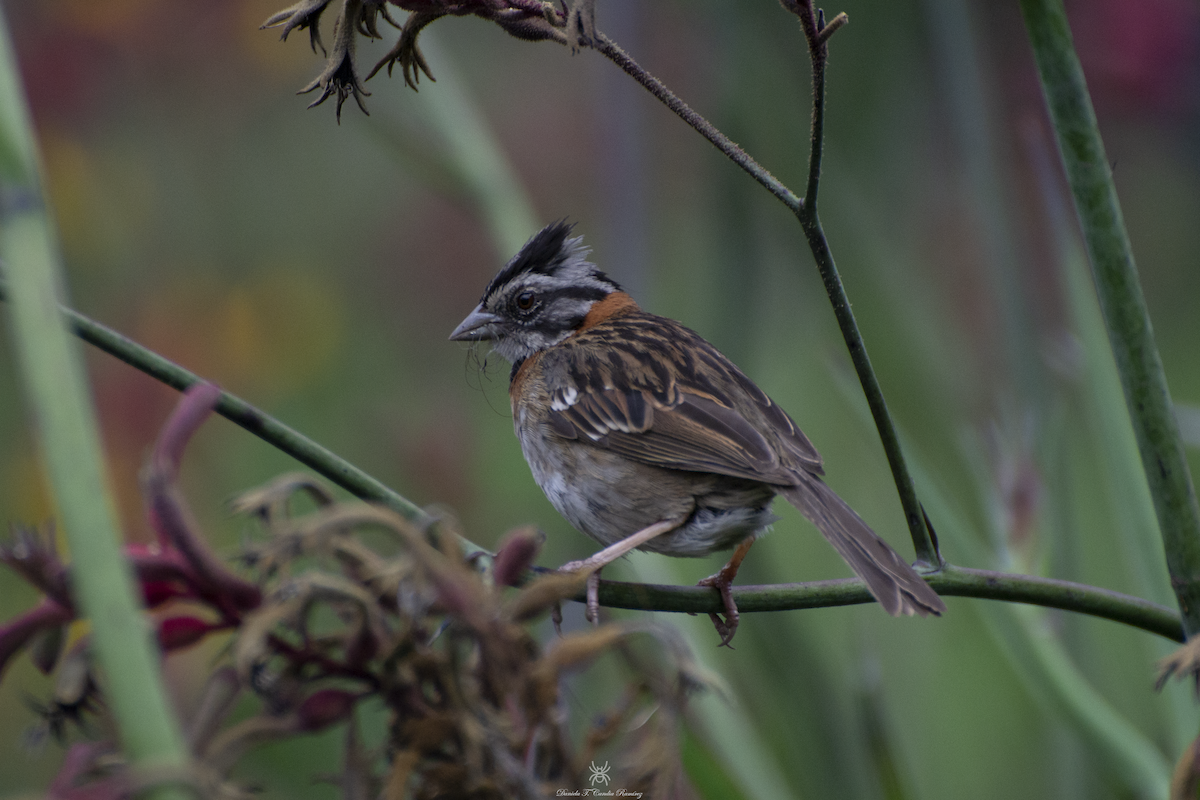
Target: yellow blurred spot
(81, 188)
(76, 631)
(110, 19)
(274, 332)
(293, 59)
(29, 500)
(73, 185)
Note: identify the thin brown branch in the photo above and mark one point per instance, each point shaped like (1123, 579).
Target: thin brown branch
(950, 581)
(737, 155)
(817, 33)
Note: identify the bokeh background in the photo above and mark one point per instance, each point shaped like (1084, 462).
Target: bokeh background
(316, 270)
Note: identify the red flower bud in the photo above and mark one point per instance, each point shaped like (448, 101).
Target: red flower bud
(155, 593)
(175, 633)
(515, 555)
(324, 708)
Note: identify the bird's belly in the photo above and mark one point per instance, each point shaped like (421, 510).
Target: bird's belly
(609, 498)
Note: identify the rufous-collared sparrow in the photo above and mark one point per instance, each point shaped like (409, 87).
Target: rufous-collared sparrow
(643, 435)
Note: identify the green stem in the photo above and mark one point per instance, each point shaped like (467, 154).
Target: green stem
(818, 35)
(950, 581)
(253, 419)
(1125, 315)
(66, 433)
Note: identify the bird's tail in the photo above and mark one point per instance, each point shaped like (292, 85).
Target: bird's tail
(895, 584)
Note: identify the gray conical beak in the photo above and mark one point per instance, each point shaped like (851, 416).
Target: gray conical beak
(477, 327)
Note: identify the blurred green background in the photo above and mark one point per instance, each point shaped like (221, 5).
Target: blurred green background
(317, 269)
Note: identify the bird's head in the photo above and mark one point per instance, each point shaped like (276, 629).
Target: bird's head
(541, 296)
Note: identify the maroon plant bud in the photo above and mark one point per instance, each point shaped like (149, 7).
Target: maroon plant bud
(362, 648)
(175, 633)
(173, 520)
(458, 595)
(189, 414)
(516, 554)
(153, 563)
(155, 593)
(325, 707)
(19, 632)
(163, 574)
(170, 516)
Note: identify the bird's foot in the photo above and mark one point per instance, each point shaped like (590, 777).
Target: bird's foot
(556, 618)
(723, 583)
(592, 612)
(727, 627)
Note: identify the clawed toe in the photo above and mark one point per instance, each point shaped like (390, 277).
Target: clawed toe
(728, 626)
(593, 598)
(724, 629)
(592, 612)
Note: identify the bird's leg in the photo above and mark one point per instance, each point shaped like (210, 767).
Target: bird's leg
(615, 551)
(596, 562)
(723, 583)
(592, 610)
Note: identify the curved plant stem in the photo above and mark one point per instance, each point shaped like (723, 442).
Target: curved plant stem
(1125, 315)
(737, 155)
(950, 581)
(66, 434)
(817, 34)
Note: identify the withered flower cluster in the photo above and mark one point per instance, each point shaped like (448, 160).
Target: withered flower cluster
(349, 602)
(531, 20)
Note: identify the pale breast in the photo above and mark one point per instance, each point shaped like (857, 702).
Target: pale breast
(610, 498)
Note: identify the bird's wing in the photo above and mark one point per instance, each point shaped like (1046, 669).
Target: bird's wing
(671, 400)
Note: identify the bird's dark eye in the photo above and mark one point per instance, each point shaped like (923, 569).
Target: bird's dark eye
(526, 299)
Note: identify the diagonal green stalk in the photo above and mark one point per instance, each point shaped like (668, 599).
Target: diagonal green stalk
(1125, 315)
(238, 411)
(817, 34)
(65, 430)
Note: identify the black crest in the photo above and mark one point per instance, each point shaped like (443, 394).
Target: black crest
(546, 253)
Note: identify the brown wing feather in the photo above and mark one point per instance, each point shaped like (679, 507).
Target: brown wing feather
(695, 435)
(895, 584)
(676, 417)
